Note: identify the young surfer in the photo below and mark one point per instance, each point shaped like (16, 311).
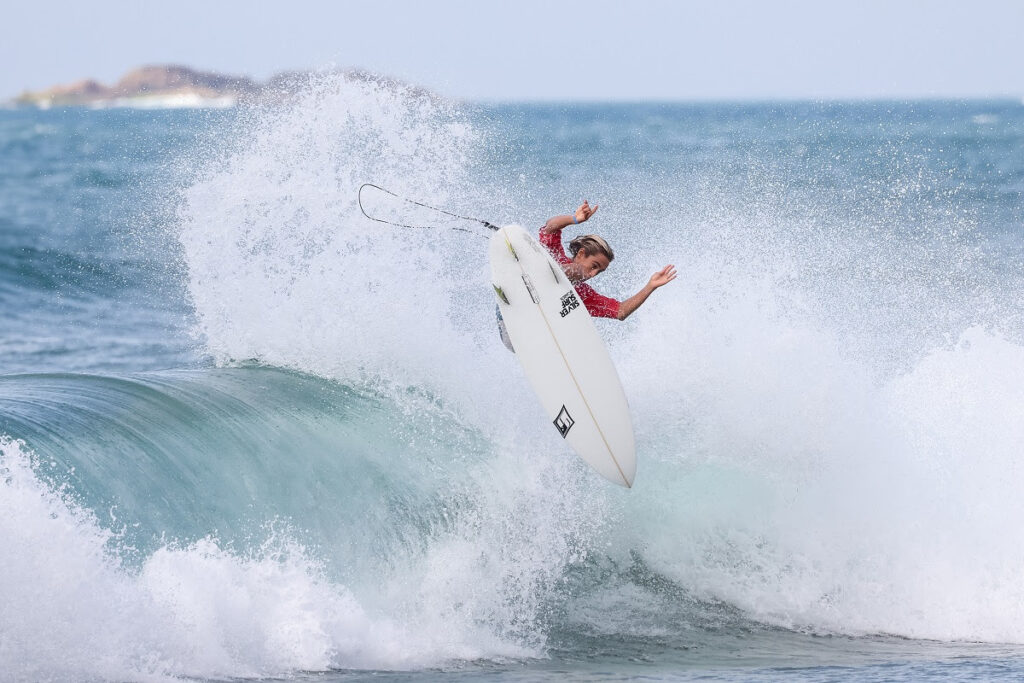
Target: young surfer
(591, 255)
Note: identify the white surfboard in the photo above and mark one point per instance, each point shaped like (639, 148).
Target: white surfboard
(562, 355)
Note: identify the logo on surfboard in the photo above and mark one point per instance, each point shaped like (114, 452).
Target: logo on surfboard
(564, 422)
(569, 303)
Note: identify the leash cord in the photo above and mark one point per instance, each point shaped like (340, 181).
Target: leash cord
(359, 197)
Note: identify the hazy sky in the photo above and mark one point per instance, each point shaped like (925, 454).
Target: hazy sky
(530, 49)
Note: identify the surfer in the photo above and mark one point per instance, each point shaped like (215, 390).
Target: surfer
(591, 256)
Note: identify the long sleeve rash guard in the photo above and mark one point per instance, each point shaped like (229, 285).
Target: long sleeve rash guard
(597, 305)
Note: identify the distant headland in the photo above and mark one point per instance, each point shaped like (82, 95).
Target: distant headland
(171, 87)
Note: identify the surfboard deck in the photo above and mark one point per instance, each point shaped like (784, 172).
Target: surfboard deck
(562, 355)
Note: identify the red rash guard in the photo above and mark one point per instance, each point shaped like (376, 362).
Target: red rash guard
(597, 305)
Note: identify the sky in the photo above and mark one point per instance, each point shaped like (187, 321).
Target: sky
(543, 50)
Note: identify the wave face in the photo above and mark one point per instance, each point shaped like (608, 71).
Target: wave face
(250, 521)
(339, 467)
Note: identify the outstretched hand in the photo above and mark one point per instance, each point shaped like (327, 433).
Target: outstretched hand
(585, 211)
(663, 276)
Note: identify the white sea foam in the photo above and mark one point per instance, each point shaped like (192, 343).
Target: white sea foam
(802, 492)
(72, 609)
(822, 475)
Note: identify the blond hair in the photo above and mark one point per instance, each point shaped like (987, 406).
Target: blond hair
(591, 244)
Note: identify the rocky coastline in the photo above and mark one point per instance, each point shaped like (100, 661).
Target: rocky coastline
(169, 87)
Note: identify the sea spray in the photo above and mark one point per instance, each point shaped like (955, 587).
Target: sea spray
(283, 266)
(818, 448)
(759, 381)
(826, 401)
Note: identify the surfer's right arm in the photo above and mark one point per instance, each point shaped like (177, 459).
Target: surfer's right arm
(557, 223)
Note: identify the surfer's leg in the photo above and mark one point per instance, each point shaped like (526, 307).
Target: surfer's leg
(502, 332)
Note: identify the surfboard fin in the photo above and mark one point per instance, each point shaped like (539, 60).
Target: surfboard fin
(529, 288)
(500, 293)
(509, 245)
(554, 272)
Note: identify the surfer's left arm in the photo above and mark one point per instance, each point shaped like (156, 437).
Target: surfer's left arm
(659, 279)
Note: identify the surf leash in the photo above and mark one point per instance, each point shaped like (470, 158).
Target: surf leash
(359, 197)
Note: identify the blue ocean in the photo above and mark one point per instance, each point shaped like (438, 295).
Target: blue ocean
(246, 433)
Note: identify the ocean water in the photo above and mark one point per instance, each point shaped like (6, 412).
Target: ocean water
(246, 433)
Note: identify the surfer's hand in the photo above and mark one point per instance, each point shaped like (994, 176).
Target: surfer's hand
(585, 211)
(663, 277)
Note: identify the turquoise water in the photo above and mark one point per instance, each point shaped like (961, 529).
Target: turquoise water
(246, 433)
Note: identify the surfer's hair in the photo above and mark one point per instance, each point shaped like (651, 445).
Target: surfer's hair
(591, 244)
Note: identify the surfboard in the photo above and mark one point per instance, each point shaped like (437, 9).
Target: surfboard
(562, 355)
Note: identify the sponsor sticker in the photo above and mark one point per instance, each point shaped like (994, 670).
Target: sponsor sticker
(569, 303)
(564, 422)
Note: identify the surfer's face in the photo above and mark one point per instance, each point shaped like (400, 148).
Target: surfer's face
(585, 266)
